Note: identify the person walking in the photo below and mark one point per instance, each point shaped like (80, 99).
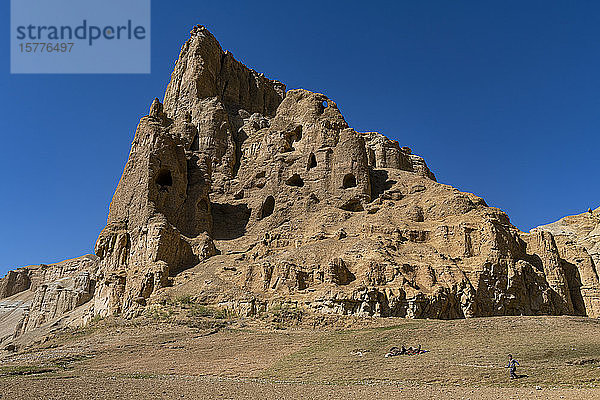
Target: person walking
(512, 366)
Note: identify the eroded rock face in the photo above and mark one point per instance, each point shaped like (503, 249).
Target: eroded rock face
(431, 252)
(159, 218)
(54, 298)
(386, 153)
(15, 281)
(577, 240)
(216, 92)
(242, 194)
(41, 294)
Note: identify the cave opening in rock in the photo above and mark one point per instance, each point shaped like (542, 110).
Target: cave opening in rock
(312, 161)
(267, 207)
(195, 146)
(229, 220)
(202, 206)
(164, 178)
(295, 180)
(297, 134)
(349, 181)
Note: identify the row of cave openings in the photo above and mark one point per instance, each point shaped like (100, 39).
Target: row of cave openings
(348, 181)
(164, 180)
(268, 205)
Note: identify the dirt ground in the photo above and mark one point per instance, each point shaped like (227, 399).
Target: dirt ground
(180, 387)
(239, 359)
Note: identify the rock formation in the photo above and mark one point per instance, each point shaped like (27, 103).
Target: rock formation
(38, 294)
(577, 239)
(242, 194)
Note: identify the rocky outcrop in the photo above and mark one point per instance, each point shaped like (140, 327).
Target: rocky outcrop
(582, 229)
(386, 153)
(216, 93)
(577, 240)
(242, 194)
(55, 298)
(42, 293)
(159, 217)
(15, 282)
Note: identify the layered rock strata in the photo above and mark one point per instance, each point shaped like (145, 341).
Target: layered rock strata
(244, 195)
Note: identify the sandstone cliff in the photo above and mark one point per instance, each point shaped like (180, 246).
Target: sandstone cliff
(578, 243)
(240, 193)
(33, 296)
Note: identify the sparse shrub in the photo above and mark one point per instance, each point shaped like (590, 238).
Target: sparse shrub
(184, 299)
(209, 312)
(159, 314)
(221, 313)
(66, 361)
(286, 313)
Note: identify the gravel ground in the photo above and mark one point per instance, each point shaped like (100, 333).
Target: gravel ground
(91, 388)
(560, 359)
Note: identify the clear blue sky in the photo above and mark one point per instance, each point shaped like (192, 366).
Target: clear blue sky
(501, 98)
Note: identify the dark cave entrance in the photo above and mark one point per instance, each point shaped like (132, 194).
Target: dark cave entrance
(268, 207)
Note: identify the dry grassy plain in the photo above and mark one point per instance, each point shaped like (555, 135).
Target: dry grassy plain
(199, 357)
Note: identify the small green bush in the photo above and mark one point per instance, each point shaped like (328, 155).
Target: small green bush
(184, 299)
(209, 312)
(287, 313)
(159, 314)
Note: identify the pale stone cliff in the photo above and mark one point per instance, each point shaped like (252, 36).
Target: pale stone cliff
(242, 194)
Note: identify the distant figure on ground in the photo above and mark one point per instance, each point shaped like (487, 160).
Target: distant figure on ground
(512, 366)
(394, 351)
(590, 211)
(411, 351)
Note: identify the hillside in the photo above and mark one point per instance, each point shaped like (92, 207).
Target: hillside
(244, 196)
(187, 356)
